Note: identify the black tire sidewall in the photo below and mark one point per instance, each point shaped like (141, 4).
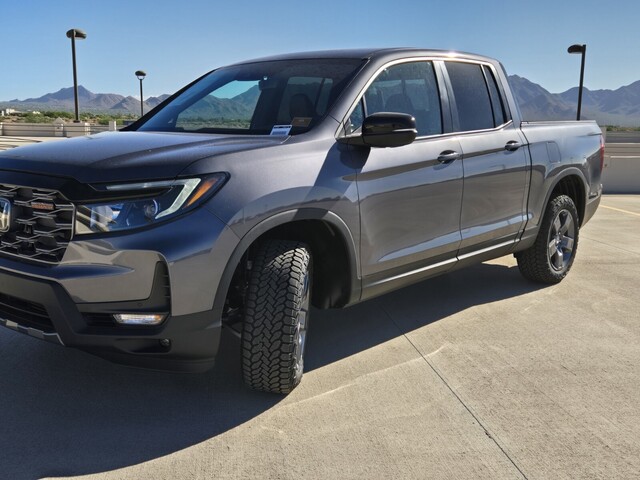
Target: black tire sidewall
(534, 262)
(271, 326)
(556, 206)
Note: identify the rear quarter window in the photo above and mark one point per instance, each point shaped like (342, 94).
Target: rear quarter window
(499, 115)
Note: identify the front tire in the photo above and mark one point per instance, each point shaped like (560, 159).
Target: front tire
(276, 316)
(550, 258)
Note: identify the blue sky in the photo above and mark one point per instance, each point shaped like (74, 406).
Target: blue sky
(174, 42)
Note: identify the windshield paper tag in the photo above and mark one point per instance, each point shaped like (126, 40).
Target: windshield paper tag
(301, 121)
(281, 129)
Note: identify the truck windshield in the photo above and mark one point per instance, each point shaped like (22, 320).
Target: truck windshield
(264, 98)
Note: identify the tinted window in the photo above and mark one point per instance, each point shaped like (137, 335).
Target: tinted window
(253, 98)
(496, 101)
(230, 106)
(407, 88)
(471, 96)
(304, 98)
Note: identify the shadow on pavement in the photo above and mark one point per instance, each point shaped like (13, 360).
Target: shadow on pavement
(66, 413)
(368, 324)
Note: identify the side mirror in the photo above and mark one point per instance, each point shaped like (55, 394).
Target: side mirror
(385, 129)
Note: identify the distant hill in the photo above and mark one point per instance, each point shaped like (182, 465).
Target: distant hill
(128, 104)
(153, 102)
(224, 107)
(536, 103)
(608, 107)
(249, 98)
(240, 106)
(63, 100)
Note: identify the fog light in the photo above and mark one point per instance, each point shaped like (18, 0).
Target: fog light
(139, 318)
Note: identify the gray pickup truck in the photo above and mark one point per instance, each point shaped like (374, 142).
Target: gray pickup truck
(268, 186)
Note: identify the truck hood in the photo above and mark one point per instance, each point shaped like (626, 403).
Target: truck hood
(125, 156)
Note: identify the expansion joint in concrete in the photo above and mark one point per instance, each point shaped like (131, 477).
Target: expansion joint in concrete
(482, 425)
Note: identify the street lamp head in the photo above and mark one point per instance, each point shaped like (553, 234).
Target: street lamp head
(76, 33)
(141, 74)
(582, 49)
(73, 34)
(577, 48)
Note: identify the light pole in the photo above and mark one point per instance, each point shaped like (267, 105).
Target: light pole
(141, 74)
(73, 34)
(577, 48)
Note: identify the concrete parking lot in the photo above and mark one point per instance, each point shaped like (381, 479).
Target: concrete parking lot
(477, 374)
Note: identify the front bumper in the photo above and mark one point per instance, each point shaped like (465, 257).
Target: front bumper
(44, 310)
(172, 268)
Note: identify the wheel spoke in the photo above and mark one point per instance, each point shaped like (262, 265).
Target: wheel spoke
(558, 259)
(553, 249)
(302, 323)
(566, 224)
(302, 319)
(567, 244)
(557, 225)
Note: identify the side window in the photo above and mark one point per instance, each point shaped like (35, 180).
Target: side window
(499, 116)
(471, 95)
(405, 88)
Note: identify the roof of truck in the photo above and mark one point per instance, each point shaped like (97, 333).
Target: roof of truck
(368, 53)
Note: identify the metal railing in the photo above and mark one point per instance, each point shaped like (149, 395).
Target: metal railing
(56, 129)
(622, 168)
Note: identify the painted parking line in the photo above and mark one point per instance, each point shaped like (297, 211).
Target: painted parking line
(620, 210)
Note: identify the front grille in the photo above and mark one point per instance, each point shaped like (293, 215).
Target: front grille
(25, 313)
(41, 224)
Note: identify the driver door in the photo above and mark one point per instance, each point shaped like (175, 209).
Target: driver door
(410, 196)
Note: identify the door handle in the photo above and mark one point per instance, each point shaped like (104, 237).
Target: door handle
(512, 146)
(448, 156)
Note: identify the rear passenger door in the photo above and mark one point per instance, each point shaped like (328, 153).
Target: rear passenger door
(494, 158)
(410, 196)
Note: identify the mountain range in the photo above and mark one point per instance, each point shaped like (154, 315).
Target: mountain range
(63, 100)
(608, 107)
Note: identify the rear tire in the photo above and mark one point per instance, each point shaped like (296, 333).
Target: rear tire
(276, 316)
(550, 258)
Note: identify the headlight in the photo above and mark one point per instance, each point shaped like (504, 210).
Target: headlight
(145, 203)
